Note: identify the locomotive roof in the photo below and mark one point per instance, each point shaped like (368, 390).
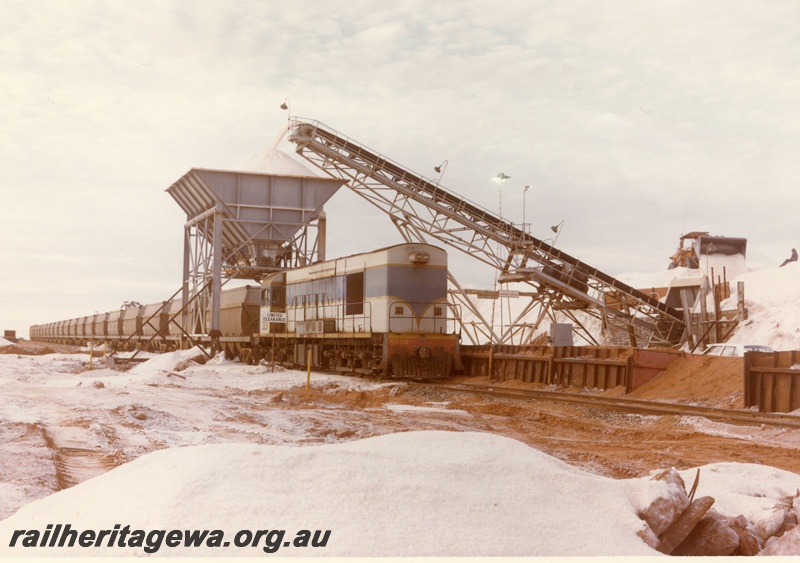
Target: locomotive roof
(313, 269)
(385, 248)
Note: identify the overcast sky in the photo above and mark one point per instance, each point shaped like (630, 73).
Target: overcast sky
(633, 122)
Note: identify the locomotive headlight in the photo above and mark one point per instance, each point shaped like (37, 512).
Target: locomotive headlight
(419, 257)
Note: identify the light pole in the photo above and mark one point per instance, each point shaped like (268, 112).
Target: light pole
(557, 230)
(500, 178)
(440, 170)
(524, 191)
(287, 105)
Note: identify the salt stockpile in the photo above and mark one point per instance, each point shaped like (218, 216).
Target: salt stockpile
(407, 494)
(427, 493)
(772, 297)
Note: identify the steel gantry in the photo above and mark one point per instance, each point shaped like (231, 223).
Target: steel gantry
(422, 209)
(243, 225)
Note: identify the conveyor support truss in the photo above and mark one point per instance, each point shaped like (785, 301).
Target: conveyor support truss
(422, 208)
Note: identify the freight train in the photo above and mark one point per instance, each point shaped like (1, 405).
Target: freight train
(383, 312)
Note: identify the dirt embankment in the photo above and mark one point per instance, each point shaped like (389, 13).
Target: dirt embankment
(611, 443)
(701, 380)
(29, 348)
(599, 440)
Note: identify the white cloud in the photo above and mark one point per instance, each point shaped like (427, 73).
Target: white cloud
(632, 123)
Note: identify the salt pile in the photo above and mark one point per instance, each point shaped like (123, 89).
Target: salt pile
(409, 494)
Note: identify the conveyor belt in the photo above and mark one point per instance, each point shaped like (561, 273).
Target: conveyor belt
(429, 208)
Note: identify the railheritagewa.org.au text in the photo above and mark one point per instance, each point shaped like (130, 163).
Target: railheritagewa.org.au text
(151, 541)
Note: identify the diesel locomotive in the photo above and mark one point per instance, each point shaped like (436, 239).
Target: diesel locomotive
(383, 312)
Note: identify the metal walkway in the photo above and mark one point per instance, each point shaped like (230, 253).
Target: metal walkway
(420, 208)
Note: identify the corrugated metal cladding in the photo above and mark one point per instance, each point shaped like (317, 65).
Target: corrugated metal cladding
(264, 208)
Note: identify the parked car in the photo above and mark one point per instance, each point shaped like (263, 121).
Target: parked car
(734, 350)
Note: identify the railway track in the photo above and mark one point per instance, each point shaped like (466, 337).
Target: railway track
(730, 416)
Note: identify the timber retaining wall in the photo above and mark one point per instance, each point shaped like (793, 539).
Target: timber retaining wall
(592, 367)
(772, 381)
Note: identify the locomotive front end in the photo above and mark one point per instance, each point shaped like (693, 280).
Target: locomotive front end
(421, 356)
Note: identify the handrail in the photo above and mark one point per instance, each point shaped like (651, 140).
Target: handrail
(339, 307)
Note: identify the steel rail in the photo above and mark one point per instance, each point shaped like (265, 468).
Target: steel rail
(732, 416)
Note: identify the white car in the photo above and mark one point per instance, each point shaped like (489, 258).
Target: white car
(734, 350)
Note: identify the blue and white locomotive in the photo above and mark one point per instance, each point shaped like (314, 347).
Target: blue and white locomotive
(384, 311)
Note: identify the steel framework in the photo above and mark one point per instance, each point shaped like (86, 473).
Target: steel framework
(206, 260)
(243, 226)
(421, 208)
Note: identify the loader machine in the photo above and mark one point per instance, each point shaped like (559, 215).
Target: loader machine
(697, 243)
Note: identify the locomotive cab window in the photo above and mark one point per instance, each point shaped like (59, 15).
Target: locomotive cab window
(354, 294)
